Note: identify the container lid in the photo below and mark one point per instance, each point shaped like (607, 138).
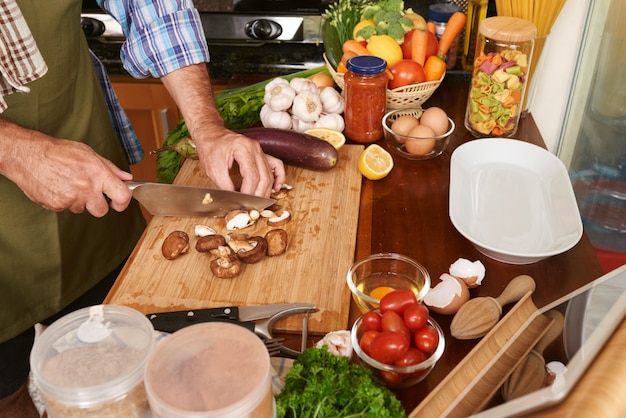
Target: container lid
(366, 64)
(441, 12)
(508, 29)
(92, 355)
(212, 369)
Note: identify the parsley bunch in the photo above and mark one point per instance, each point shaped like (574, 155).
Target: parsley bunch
(321, 385)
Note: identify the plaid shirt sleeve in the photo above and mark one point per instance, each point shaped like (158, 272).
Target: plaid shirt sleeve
(161, 35)
(20, 60)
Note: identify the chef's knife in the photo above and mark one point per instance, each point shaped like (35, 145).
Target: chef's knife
(175, 200)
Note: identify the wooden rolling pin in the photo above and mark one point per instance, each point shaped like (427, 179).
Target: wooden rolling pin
(477, 316)
(530, 374)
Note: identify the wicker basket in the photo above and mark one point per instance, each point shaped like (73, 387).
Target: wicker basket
(399, 98)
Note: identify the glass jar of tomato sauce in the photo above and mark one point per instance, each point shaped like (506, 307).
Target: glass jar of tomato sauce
(365, 92)
(501, 66)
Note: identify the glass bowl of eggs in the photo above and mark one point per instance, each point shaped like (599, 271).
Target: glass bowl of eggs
(418, 134)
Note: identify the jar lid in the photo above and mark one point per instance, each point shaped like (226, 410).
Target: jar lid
(366, 64)
(508, 29)
(441, 12)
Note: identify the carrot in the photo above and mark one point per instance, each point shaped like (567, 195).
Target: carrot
(434, 68)
(419, 44)
(354, 46)
(430, 26)
(455, 25)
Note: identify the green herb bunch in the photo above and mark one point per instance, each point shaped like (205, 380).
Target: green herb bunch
(344, 15)
(323, 385)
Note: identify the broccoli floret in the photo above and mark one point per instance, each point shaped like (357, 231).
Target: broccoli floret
(365, 33)
(370, 11)
(406, 23)
(397, 33)
(393, 5)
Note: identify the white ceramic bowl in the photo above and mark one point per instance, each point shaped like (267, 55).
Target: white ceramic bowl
(513, 200)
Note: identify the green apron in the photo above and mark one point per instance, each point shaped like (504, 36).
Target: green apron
(48, 259)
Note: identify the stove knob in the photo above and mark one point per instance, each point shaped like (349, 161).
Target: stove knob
(263, 29)
(92, 27)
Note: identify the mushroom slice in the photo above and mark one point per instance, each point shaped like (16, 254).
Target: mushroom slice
(210, 242)
(203, 231)
(249, 250)
(238, 219)
(276, 242)
(279, 220)
(226, 266)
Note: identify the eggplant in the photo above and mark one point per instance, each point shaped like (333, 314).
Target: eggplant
(294, 148)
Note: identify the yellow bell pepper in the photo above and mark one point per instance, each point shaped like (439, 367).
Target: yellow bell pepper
(385, 47)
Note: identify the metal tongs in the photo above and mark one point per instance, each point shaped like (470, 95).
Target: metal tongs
(259, 319)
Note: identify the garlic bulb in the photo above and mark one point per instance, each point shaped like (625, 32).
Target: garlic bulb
(307, 106)
(303, 84)
(279, 94)
(332, 121)
(274, 119)
(332, 101)
(299, 125)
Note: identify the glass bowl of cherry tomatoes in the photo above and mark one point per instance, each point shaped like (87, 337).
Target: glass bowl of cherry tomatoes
(399, 342)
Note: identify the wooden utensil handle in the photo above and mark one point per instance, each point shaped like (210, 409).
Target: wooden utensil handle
(552, 333)
(516, 289)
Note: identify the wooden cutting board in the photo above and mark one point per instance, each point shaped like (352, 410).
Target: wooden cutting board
(322, 240)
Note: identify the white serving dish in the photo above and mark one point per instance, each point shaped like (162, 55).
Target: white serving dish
(513, 200)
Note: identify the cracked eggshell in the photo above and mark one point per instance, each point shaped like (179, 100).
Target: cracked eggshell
(472, 273)
(447, 296)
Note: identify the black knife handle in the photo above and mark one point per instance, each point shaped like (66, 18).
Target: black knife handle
(173, 321)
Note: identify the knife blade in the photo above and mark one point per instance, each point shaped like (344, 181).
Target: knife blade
(176, 200)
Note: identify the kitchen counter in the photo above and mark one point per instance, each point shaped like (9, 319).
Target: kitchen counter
(407, 212)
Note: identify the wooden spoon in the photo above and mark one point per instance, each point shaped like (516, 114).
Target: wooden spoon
(477, 316)
(530, 374)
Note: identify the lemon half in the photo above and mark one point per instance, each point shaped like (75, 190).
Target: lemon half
(375, 162)
(332, 136)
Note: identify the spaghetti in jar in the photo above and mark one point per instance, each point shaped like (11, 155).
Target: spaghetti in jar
(365, 92)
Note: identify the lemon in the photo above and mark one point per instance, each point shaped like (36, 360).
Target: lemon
(381, 291)
(375, 162)
(332, 136)
(385, 47)
(361, 25)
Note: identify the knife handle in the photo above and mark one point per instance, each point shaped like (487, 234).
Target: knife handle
(173, 321)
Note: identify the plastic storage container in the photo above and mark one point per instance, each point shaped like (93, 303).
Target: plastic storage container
(91, 363)
(502, 60)
(365, 91)
(213, 369)
(439, 14)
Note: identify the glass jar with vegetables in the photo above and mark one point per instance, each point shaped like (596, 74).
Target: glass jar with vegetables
(366, 98)
(502, 60)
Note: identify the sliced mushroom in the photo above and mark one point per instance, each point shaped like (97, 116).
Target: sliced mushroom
(282, 193)
(175, 245)
(280, 219)
(276, 242)
(250, 250)
(238, 219)
(225, 266)
(210, 242)
(203, 231)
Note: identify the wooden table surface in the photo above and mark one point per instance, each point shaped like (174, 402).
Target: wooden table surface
(407, 212)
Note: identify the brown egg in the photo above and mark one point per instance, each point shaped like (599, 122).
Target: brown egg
(447, 296)
(422, 146)
(435, 118)
(404, 124)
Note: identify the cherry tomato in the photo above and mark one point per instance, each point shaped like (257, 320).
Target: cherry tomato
(388, 346)
(371, 321)
(406, 72)
(391, 321)
(411, 357)
(397, 301)
(366, 340)
(426, 339)
(416, 316)
(391, 378)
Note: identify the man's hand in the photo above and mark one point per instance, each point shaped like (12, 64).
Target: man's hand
(219, 148)
(61, 174)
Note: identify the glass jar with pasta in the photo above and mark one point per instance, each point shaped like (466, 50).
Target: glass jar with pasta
(501, 64)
